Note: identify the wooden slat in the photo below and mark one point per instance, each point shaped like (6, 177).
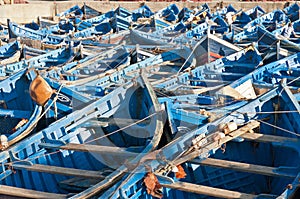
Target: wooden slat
(60, 170)
(267, 138)
(89, 148)
(26, 193)
(244, 167)
(209, 191)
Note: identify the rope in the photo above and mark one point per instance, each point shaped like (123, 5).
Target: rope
(270, 112)
(197, 44)
(277, 127)
(50, 105)
(51, 153)
(293, 80)
(116, 131)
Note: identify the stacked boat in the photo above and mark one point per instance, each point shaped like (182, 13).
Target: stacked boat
(177, 103)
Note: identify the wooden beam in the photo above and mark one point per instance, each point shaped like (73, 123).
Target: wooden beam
(268, 138)
(26, 193)
(206, 190)
(60, 170)
(90, 148)
(243, 167)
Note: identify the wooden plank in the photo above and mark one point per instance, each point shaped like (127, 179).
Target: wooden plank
(268, 138)
(60, 170)
(206, 190)
(244, 167)
(26, 193)
(217, 144)
(90, 148)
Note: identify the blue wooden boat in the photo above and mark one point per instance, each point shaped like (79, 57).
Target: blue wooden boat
(90, 145)
(89, 12)
(296, 25)
(274, 46)
(74, 11)
(142, 12)
(261, 163)
(214, 74)
(292, 12)
(224, 10)
(270, 20)
(143, 38)
(207, 49)
(45, 61)
(92, 65)
(16, 30)
(241, 19)
(268, 76)
(184, 14)
(192, 111)
(255, 12)
(10, 53)
(32, 25)
(29, 52)
(116, 38)
(210, 48)
(203, 11)
(9, 49)
(76, 24)
(123, 12)
(61, 28)
(244, 37)
(98, 19)
(3, 31)
(103, 83)
(159, 73)
(158, 23)
(27, 99)
(96, 30)
(220, 26)
(184, 109)
(172, 30)
(169, 13)
(119, 23)
(45, 22)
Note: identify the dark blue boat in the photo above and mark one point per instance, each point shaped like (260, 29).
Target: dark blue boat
(213, 74)
(292, 11)
(100, 29)
(45, 61)
(270, 20)
(16, 30)
(255, 12)
(92, 65)
(10, 53)
(90, 145)
(260, 164)
(25, 98)
(169, 13)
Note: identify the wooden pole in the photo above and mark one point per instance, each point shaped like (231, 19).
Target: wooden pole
(209, 191)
